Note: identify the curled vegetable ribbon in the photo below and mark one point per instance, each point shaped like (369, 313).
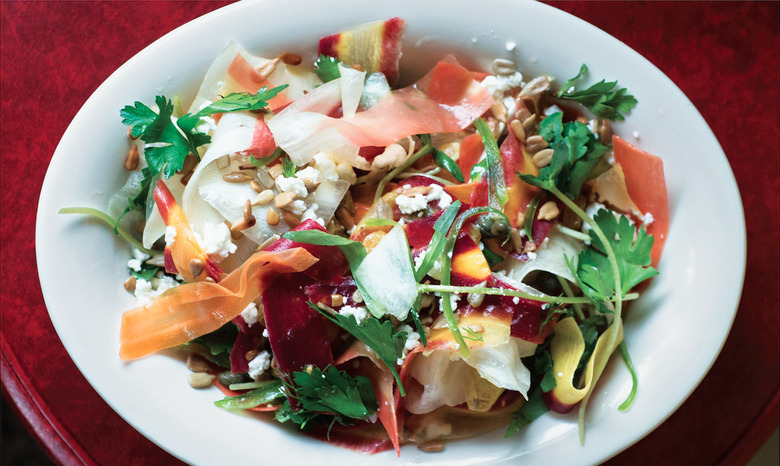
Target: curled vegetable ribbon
(188, 311)
(566, 350)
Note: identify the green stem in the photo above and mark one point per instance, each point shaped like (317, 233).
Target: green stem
(380, 187)
(111, 222)
(572, 233)
(612, 343)
(634, 379)
(514, 293)
(570, 294)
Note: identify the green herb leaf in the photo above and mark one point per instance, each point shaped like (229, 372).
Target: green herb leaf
(603, 99)
(444, 161)
(379, 335)
(529, 412)
(288, 167)
(633, 257)
(327, 68)
(147, 271)
(241, 101)
(219, 344)
(266, 393)
(329, 391)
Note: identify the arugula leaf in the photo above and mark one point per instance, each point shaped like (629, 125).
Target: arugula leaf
(329, 391)
(633, 257)
(444, 161)
(602, 98)
(438, 241)
(354, 251)
(219, 344)
(379, 335)
(497, 192)
(266, 393)
(147, 271)
(327, 68)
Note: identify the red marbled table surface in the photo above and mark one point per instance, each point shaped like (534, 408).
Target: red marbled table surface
(723, 55)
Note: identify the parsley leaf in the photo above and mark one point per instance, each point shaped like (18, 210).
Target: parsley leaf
(632, 256)
(379, 335)
(329, 391)
(602, 98)
(327, 68)
(576, 152)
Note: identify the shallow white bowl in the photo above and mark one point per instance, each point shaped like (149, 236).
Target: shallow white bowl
(674, 332)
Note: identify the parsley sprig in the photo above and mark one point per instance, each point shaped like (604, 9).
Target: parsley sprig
(321, 394)
(604, 99)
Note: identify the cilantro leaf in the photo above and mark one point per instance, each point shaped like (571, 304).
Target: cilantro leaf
(327, 68)
(329, 391)
(603, 99)
(379, 335)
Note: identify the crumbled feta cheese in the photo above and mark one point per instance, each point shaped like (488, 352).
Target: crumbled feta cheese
(497, 85)
(146, 290)
(308, 173)
(294, 185)
(170, 235)
(216, 241)
(412, 341)
(259, 364)
(250, 314)
(138, 259)
(134, 264)
(435, 271)
(454, 298)
(437, 193)
(360, 313)
(647, 219)
(516, 300)
(298, 207)
(409, 205)
(311, 214)
(531, 255)
(326, 167)
(265, 332)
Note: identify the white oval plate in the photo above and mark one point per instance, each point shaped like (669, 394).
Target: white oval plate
(674, 332)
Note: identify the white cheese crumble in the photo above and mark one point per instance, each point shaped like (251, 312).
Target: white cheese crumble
(147, 290)
(311, 214)
(138, 258)
(170, 235)
(294, 185)
(454, 298)
(308, 173)
(412, 342)
(531, 256)
(360, 313)
(298, 207)
(250, 314)
(437, 193)
(326, 167)
(552, 109)
(216, 241)
(409, 205)
(647, 219)
(265, 332)
(435, 271)
(259, 364)
(497, 85)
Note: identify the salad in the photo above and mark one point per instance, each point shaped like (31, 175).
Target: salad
(379, 263)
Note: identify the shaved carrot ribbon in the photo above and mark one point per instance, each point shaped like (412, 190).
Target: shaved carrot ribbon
(188, 311)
